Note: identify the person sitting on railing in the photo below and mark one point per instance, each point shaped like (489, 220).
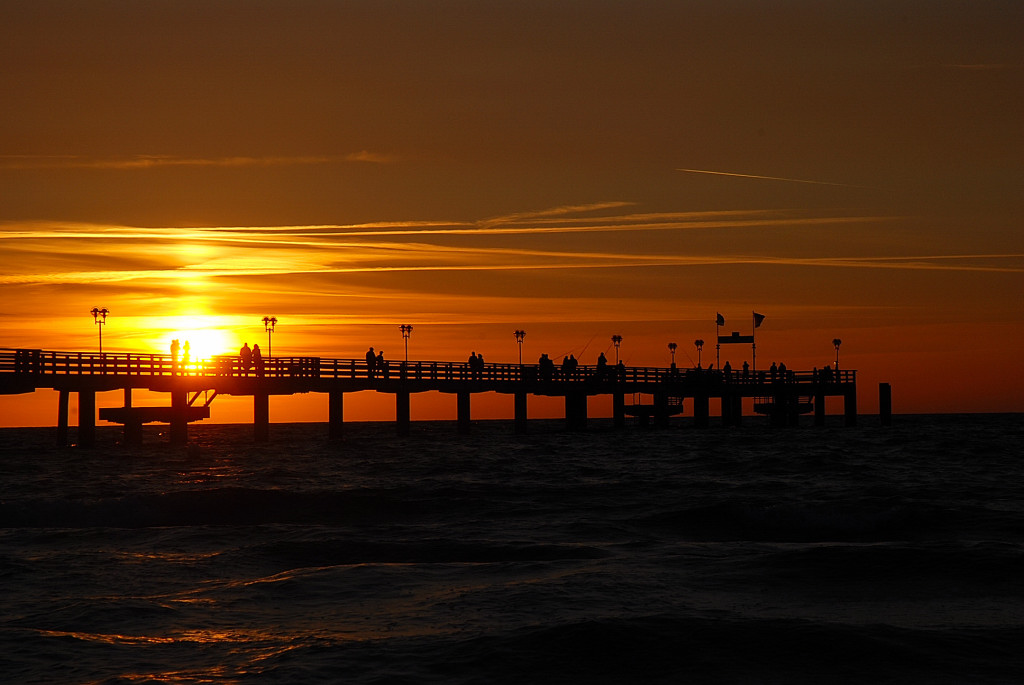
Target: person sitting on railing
(602, 366)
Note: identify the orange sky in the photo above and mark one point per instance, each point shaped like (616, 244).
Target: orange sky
(471, 168)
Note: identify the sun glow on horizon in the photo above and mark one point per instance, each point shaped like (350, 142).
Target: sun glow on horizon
(207, 335)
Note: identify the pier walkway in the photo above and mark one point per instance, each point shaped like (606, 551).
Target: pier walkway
(194, 384)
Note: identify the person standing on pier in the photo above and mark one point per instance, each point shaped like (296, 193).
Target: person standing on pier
(246, 354)
(257, 360)
(371, 362)
(175, 346)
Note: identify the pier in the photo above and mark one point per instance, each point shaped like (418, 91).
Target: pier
(192, 386)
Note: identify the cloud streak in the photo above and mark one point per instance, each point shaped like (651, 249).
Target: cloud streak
(143, 162)
(775, 178)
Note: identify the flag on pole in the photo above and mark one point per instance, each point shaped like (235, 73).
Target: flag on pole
(758, 318)
(720, 321)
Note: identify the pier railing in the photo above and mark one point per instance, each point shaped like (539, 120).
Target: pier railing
(29, 363)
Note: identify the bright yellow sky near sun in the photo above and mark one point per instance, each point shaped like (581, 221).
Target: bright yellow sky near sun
(574, 169)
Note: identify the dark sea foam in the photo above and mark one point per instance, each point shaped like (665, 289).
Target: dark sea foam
(748, 555)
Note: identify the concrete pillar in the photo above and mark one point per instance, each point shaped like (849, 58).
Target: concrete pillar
(576, 411)
(402, 412)
(661, 410)
(336, 415)
(702, 410)
(86, 418)
(463, 410)
(132, 429)
(62, 418)
(619, 409)
(261, 416)
(728, 410)
(819, 406)
(850, 405)
(885, 403)
(520, 409)
(179, 417)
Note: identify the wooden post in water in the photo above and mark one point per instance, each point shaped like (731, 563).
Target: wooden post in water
(86, 418)
(336, 415)
(885, 403)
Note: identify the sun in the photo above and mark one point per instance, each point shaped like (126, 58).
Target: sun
(203, 343)
(207, 335)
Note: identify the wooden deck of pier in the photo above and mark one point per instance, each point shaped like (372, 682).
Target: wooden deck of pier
(781, 398)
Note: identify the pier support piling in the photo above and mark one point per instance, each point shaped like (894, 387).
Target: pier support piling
(402, 412)
(261, 416)
(819, 406)
(336, 415)
(885, 404)
(701, 410)
(576, 411)
(850, 405)
(179, 417)
(463, 411)
(62, 418)
(619, 409)
(520, 412)
(86, 418)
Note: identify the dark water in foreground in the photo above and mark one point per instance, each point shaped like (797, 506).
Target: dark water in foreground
(643, 556)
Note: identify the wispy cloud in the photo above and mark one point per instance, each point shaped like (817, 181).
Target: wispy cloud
(158, 161)
(774, 178)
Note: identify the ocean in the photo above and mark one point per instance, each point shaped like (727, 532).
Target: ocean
(645, 555)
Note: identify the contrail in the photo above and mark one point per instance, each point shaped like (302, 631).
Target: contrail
(775, 178)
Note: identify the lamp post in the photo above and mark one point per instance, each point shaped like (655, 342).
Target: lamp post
(520, 334)
(99, 317)
(268, 323)
(700, 346)
(672, 348)
(406, 332)
(836, 342)
(616, 340)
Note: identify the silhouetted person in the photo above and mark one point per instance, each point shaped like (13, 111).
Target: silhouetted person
(746, 371)
(246, 354)
(371, 362)
(602, 365)
(184, 356)
(175, 345)
(382, 365)
(773, 371)
(257, 360)
(472, 364)
(728, 370)
(547, 367)
(572, 365)
(782, 372)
